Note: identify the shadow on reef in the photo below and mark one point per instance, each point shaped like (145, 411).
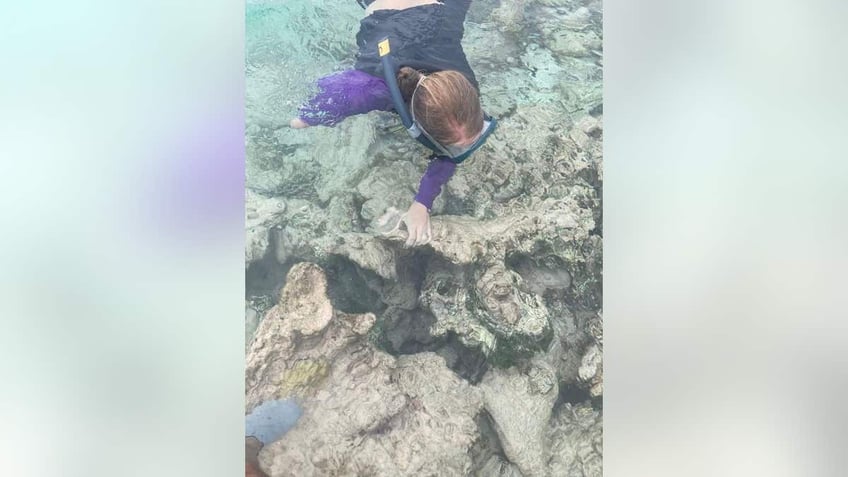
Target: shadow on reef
(488, 456)
(264, 279)
(351, 288)
(413, 338)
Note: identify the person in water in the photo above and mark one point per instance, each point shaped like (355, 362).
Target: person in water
(435, 80)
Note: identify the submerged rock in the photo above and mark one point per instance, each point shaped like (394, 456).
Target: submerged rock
(576, 442)
(592, 371)
(251, 322)
(365, 412)
(592, 364)
(520, 405)
(509, 16)
(261, 214)
(299, 338)
(542, 274)
(478, 353)
(382, 416)
(465, 241)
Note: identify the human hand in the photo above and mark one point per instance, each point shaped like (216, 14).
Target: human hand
(417, 220)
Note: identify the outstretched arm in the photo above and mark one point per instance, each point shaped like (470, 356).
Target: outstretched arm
(438, 173)
(417, 218)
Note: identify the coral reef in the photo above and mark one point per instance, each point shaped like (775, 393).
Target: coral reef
(520, 404)
(366, 411)
(370, 413)
(576, 439)
(299, 339)
(479, 353)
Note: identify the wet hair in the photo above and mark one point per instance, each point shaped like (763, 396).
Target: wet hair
(446, 105)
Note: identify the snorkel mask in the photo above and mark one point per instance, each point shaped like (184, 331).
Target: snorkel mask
(454, 153)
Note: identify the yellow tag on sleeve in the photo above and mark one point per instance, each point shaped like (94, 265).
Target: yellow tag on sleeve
(383, 47)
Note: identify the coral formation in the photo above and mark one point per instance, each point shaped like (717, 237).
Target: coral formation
(366, 412)
(575, 437)
(479, 353)
(520, 404)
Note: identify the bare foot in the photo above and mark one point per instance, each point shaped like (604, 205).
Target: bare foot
(251, 470)
(297, 123)
(252, 446)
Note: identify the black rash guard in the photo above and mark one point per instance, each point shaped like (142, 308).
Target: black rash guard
(427, 38)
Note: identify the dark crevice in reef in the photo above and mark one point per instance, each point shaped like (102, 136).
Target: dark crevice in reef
(408, 331)
(575, 394)
(570, 393)
(360, 221)
(403, 327)
(593, 179)
(351, 288)
(597, 110)
(470, 364)
(266, 277)
(412, 266)
(400, 332)
(487, 454)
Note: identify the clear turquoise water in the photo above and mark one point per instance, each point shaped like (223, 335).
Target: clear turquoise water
(290, 44)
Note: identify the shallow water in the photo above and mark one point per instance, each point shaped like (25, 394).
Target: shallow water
(290, 44)
(539, 65)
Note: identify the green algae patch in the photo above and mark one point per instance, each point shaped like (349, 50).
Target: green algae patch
(302, 377)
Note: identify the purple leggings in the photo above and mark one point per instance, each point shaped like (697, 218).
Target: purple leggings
(344, 94)
(353, 92)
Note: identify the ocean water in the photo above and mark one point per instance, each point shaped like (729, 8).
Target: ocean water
(540, 69)
(290, 44)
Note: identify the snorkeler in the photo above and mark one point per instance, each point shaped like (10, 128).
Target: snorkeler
(410, 60)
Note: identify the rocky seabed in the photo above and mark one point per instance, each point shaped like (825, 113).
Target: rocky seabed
(479, 353)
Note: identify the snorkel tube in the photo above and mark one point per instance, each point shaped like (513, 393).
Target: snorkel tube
(390, 70)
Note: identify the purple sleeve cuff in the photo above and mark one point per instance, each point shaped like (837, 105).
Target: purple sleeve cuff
(344, 94)
(438, 173)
